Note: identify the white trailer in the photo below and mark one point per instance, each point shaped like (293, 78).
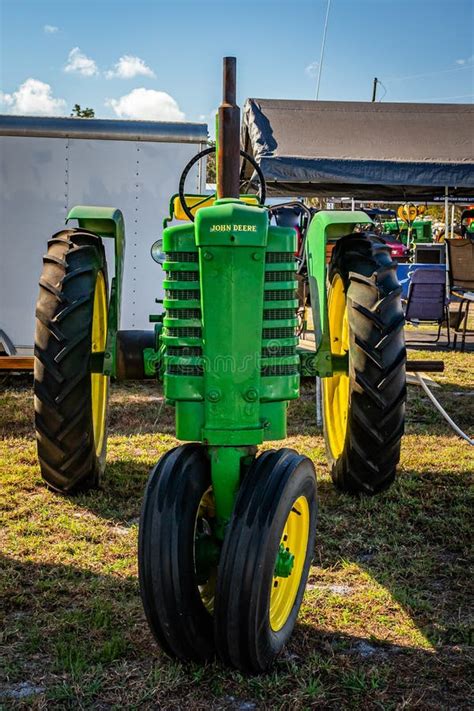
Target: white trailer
(49, 165)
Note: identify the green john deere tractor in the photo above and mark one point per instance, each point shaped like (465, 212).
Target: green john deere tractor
(226, 534)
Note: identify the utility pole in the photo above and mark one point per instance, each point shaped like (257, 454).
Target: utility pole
(374, 90)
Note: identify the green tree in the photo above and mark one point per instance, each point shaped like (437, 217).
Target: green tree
(78, 112)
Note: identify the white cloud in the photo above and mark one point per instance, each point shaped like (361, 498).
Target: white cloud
(50, 29)
(467, 60)
(6, 99)
(147, 104)
(33, 97)
(79, 63)
(208, 118)
(128, 67)
(312, 70)
(211, 116)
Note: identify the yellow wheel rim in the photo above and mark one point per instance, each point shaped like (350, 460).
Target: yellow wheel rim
(295, 539)
(206, 513)
(99, 381)
(336, 388)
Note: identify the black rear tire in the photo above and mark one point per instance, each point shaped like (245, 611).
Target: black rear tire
(68, 455)
(169, 586)
(277, 483)
(377, 357)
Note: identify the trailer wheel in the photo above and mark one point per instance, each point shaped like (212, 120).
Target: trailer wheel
(265, 559)
(364, 405)
(175, 552)
(71, 324)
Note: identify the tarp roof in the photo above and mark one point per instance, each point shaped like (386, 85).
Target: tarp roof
(361, 149)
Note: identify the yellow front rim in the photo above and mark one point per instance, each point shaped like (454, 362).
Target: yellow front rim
(336, 388)
(206, 514)
(99, 381)
(295, 539)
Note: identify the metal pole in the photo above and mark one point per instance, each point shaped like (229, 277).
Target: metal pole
(322, 50)
(228, 142)
(452, 221)
(446, 234)
(374, 90)
(446, 212)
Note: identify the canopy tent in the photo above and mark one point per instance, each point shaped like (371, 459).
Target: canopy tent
(379, 151)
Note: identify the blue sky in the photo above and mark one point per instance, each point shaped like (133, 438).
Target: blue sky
(422, 50)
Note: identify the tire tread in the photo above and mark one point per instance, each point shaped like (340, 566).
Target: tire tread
(64, 310)
(377, 359)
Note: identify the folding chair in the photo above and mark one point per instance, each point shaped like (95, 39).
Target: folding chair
(461, 281)
(427, 299)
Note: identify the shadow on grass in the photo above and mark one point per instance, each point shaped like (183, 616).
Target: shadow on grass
(120, 494)
(79, 635)
(138, 408)
(441, 347)
(413, 541)
(457, 400)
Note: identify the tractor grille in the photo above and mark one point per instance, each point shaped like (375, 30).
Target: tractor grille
(183, 276)
(279, 276)
(183, 313)
(191, 349)
(278, 314)
(184, 351)
(283, 295)
(279, 258)
(181, 256)
(273, 352)
(184, 332)
(183, 294)
(183, 269)
(275, 333)
(277, 351)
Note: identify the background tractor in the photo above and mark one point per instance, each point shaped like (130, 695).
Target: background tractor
(226, 534)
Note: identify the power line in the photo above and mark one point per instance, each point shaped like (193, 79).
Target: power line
(322, 49)
(446, 98)
(384, 89)
(430, 74)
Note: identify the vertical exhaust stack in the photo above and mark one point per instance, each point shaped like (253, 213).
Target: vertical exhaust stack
(228, 140)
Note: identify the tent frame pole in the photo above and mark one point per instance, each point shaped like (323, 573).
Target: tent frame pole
(446, 212)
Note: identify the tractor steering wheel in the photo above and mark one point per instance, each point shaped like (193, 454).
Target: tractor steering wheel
(261, 195)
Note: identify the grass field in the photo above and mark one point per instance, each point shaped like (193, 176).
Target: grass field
(384, 622)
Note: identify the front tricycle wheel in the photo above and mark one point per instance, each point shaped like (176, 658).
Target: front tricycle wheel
(265, 560)
(177, 554)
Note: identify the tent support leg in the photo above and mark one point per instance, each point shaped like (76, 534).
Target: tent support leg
(446, 212)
